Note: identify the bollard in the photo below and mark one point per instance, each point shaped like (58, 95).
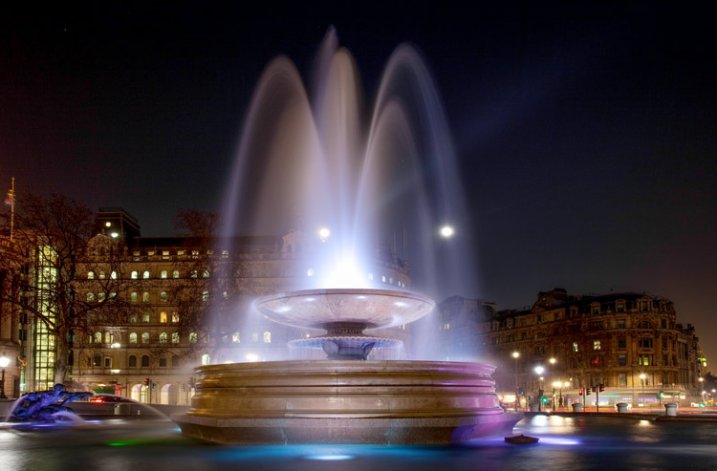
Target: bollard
(671, 409)
(577, 407)
(621, 407)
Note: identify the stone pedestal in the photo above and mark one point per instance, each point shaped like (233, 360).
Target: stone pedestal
(344, 401)
(671, 409)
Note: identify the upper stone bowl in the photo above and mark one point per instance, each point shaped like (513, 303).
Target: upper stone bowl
(330, 308)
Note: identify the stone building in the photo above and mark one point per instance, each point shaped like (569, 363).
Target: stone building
(188, 303)
(630, 343)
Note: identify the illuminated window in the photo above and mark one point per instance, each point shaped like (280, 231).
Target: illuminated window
(267, 337)
(205, 359)
(108, 337)
(163, 274)
(134, 274)
(145, 337)
(175, 274)
(175, 337)
(90, 275)
(145, 275)
(133, 337)
(133, 296)
(113, 275)
(165, 254)
(205, 274)
(98, 337)
(145, 318)
(90, 297)
(193, 337)
(576, 347)
(102, 275)
(205, 295)
(597, 345)
(145, 297)
(194, 273)
(181, 253)
(163, 337)
(133, 318)
(225, 254)
(236, 337)
(175, 317)
(163, 317)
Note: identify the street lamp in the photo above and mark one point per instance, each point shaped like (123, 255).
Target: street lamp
(516, 355)
(539, 370)
(4, 361)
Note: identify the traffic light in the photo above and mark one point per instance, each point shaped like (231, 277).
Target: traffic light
(601, 386)
(580, 391)
(146, 381)
(544, 399)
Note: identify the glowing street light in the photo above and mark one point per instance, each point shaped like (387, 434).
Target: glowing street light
(324, 233)
(447, 231)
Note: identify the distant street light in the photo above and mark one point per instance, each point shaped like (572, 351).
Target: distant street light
(447, 231)
(539, 370)
(324, 233)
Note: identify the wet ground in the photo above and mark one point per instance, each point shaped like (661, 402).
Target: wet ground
(566, 443)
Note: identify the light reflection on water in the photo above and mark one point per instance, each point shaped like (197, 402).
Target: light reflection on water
(581, 443)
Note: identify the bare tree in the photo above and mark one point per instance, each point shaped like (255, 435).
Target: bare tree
(53, 234)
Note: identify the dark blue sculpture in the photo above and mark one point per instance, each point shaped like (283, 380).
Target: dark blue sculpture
(44, 406)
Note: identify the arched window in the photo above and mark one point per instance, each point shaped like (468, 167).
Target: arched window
(205, 359)
(163, 274)
(108, 337)
(90, 275)
(132, 361)
(90, 297)
(145, 337)
(133, 337)
(145, 361)
(134, 275)
(145, 275)
(164, 296)
(175, 337)
(267, 337)
(175, 274)
(163, 337)
(193, 337)
(145, 297)
(113, 275)
(175, 317)
(163, 317)
(133, 296)
(98, 337)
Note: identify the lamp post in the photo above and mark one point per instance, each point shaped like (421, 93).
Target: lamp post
(4, 361)
(539, 370)
(516, 355)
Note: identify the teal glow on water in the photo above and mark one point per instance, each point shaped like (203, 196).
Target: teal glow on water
(566, 443)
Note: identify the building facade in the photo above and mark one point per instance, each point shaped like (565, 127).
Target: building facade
(630, 343)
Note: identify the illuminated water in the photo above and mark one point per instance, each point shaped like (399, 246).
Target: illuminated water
(572, 443)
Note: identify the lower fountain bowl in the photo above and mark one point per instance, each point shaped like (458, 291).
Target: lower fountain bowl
(344, 401)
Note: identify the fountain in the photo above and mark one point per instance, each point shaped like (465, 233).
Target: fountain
(312, 160)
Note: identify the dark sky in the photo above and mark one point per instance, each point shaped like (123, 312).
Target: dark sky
(586, 131)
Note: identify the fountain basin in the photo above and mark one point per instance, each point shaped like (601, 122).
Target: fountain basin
(344, 401)
(351, 309)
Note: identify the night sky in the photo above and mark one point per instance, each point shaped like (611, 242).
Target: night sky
(586, 131)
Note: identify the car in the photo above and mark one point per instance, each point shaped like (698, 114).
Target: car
(107, 399)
